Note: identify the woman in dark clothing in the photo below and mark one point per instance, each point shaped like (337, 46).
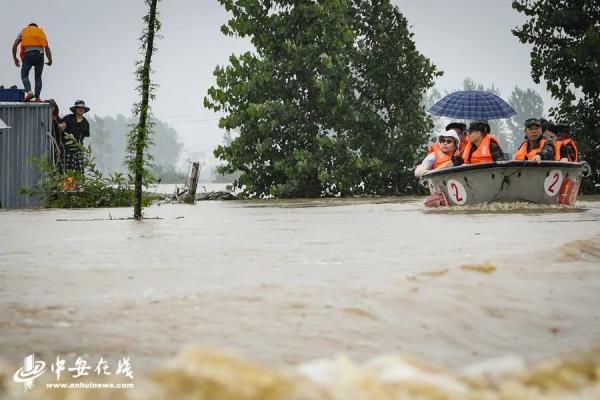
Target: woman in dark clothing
(76, 125)
(58, 144)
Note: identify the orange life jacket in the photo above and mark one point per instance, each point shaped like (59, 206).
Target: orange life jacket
(441, 159)
(482, 154)
(559, 143)
(522, 154)
(463, 144)
(32, 36)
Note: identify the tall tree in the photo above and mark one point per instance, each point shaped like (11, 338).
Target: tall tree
(565, 35)
(330, 101)
(139, 138)
(528, 104)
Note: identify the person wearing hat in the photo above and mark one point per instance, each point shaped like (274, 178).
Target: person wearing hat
(482, 147)
(443, 155)
(461, 129)
(535, 147)
(76, 125)
(34, 45)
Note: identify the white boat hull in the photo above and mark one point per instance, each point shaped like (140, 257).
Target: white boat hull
(549, 182)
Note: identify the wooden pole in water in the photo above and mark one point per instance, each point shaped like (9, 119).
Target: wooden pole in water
(191, 196)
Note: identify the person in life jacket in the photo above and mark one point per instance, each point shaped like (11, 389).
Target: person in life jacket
(34, 44)
(442, 155)
(461, 130)
(563, 151)
(482, 147)
(535, 147)
(565, 145)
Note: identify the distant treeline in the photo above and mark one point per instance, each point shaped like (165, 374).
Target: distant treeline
(109, 144)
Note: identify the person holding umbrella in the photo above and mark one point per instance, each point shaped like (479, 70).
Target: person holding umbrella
(482, 147)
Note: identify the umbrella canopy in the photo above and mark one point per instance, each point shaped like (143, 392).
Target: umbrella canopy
(472, 104)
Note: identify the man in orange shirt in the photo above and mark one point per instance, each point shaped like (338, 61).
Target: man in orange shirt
(34, 44)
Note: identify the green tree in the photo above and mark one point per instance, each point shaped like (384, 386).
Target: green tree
(565, 35)
(330, 101)
(528, 104)
(139, 138)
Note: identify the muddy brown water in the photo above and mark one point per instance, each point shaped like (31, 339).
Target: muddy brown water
(286, 282)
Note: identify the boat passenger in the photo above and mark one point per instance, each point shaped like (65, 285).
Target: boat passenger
(461, 130)
(482, 147)
(566, 147)
(551, 132)
(443, 155)
(535, 147)
(544, 124)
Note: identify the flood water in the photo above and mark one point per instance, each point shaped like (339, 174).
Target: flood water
(286, 282)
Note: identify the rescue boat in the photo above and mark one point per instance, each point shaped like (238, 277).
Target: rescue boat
(547, 182)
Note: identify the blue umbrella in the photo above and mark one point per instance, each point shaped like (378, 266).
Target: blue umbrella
(472, 104)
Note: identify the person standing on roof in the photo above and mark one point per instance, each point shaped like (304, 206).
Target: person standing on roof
(482, 147)
(535, 147)
(34, 44)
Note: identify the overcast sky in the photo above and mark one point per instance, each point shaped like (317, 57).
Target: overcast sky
(95, 45)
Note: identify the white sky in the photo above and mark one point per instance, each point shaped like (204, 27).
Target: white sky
(94, 44)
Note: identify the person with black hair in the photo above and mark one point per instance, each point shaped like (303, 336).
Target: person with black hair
(58, 143)
(482, 147)
(565, 145)
(551, 131)
(544, 124)
(461, 130)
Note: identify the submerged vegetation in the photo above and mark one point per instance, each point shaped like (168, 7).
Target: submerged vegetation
(72, 189)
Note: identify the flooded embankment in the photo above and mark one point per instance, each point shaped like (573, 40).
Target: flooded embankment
(287, 282)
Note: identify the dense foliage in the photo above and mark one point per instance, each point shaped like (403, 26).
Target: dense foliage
(565, 35)
(329, 103)
(88, 190)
